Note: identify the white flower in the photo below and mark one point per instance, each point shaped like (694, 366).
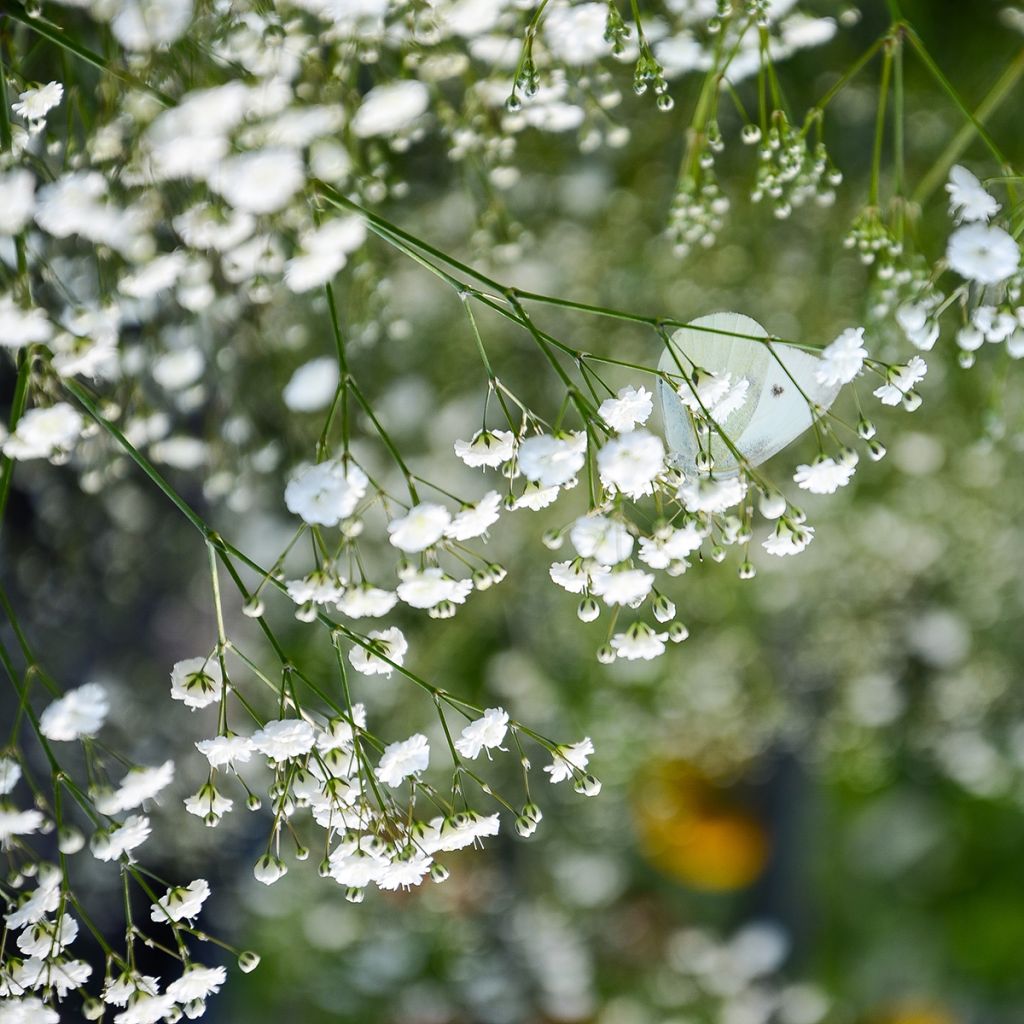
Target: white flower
(18, 823)
(475, 520)
(403, 759)
(404, 872)
(261, 181)
(900, 380)
(48, 938)
(631, 462)
(390, 642)
(420, 528)
(625, 586)
(569, 758)
(26, 1010)
(324, 494)
(487, 448)
(788, 539)
(19, 326)
(825, 475)
(43, 433)
(982, 253)
(226, 751)
(62, 976)
(968, 200)
(43, 901)
(320, 587)
(138, 786)
(312, 385)
(921, 329)
(18, 189)
(142, 25)
(387, 109)
(639, 642)
(208, 804)
(842, 360)
(365, 601)
(181, 903)
(121, 839)
(427, 588)
(10, 773)
(707, 495)
(552, 461)
(323, 253)
(668, 545)
(712, 394)
(535, 497)
(197, 982)
(284, 738)
(36, 103)
(197, 682)
(119, 990)
(80, 712)
(630, 408)
(577, 574)
(449, 834)
(486, 732)
(606, 540)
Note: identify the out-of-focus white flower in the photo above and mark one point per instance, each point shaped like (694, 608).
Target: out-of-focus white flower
(475, 520)
(601, 538)
(284, 738)
(983, 253)
(427, 588)
(80, 712)
(259, 182)
(968, 199)
(18, 189)
(389, 109)
(44, 433)
(312, 386)
(487, 448)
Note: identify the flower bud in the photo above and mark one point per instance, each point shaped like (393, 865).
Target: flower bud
(354, 895)
(677, 632)
(588, 610)
(248, 961)
(588, 785)
(664, 609)
(268, 869)
(253, 608)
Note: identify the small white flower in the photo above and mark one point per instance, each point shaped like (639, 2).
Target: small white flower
(577, 574)
(20, 327)
(197, 682)
(282, 739)
(366, 601)
(403, 759)
(10, 773)
(982, 253)
(568, 759)
(390, 108)
(486, 732)
(968, 200)
(80, 712)
(312, 386)
(390, 642)
(268, 869)
(475, 520)
(552, 461)
(197, 982)
(324, 494)
(535, 497)
(710, 495)
(627, 586)
(487, 448)
(121, 839)
(181, 903)
(47, 939)
(18, 823)
(138, 786)
(259, 182)
(208, 804)
(427, 588)
(900, 380)
(825, 475)
(668, 545)
(18, 189)
(43, 433)
(842, 360)
(631, 462)
(420, 528)
(606, 540)
(36, 103)
(630, 408)
(226, 751)
(639, 642)
(788, 539)
(921, 329)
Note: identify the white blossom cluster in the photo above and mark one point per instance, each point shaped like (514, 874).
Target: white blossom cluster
(43, 911)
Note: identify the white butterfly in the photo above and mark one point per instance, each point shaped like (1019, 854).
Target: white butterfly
(773, 413)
